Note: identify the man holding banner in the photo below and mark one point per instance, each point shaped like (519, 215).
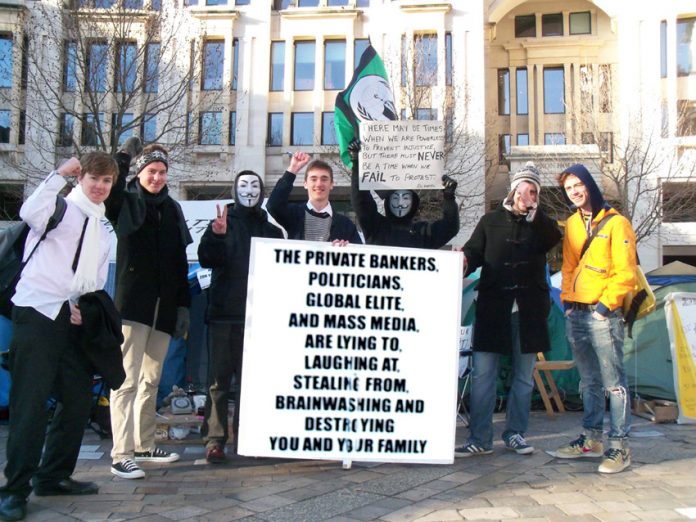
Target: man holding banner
(315, 220)
(397, 227)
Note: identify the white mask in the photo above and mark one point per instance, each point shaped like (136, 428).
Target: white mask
(248, 190)
(401, 202)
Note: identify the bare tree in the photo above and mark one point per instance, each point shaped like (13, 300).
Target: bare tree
(95, 76)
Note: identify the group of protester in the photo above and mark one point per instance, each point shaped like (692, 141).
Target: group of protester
(48, 355)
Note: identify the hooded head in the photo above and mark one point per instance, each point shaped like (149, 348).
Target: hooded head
(596, 199)
(401, 204)
(248, 189)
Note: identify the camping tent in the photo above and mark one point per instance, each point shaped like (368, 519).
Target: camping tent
(647, 358)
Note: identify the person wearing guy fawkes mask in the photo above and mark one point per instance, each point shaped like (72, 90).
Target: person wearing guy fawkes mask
(225, 247)
(397, 227)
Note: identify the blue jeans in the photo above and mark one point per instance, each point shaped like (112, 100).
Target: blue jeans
(483, 392)
(598, 350)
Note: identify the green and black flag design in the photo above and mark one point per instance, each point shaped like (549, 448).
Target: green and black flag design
(368, 97)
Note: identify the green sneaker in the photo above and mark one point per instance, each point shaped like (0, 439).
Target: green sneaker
(581, 447)
(615, 460)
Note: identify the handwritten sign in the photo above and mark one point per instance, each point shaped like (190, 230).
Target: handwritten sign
(346, 357)
(402, 154)
(680, 313)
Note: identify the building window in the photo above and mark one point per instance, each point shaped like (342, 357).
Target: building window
(69, 66)
(362, 3)
(686, 46)
(65, 132)
(307, 3)
(24, 73)
(97, 66)
(22, 128)
(328, 131)
(277, 66)
(148, 130)
(6, 61)
(126, 68)
(605, 88)
(336, 3)
(580, 23)
(606, 145)
(426, 60)
(678, 202)
(686, 118)
(210, 128)
(426, 114)
(241, 2)
(554, 138)
(552, 24)
(304, 65)
(132, 4)
(448, 58)
(213, 62)
(274, 135)
(302, 131)
(233, 127)
(405, 51)
(156, 5)
(525, 26)
(554, 93)
(663, 49)
(4, 126)
(359, 47)
(190, 127)
(120, 132)
(281, 4)
(523, 139)
(503, 92)
(521, 80)
(11, 199)
(334, 64)
(152, 57)
(503, 149)
(92, 128)
(235, 62)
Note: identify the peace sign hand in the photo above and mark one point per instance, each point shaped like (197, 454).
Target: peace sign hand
(220, 222)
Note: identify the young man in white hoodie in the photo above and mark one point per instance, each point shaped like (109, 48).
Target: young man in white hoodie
(45, 358)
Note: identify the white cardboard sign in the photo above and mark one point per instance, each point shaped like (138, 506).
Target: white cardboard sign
(402, 154)
(350, 353)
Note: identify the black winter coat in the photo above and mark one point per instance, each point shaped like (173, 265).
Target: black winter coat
(291, 216)
(151, 261)
(228, 256)
(512, 254)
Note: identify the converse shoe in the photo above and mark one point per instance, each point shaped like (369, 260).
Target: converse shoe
(580, 447)
(127, 469)
(470, 449)
(517, 444)
(156, 455)
(615, 460)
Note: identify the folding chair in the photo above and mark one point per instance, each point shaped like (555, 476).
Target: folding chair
(549, 390)
(465, 359)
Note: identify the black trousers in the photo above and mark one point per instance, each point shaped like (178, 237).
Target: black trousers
(225, 349)
(45, 361)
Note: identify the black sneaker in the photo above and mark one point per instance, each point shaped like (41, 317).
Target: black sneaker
(127, 469)
(157, 455)
(471, 450)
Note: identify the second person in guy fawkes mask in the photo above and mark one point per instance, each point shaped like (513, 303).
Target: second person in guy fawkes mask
(397, 226)
(225, 247)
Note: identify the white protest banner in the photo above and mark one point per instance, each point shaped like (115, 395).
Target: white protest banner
(402, 154)
(680, 313)
(350, 353)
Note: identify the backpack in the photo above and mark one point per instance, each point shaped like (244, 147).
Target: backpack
(12, 241)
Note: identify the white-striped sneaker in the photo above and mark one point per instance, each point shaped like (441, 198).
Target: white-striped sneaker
(127, 469)
(157, 455)
(517, 444)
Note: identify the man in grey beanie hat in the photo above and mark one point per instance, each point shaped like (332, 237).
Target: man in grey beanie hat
(510, 244)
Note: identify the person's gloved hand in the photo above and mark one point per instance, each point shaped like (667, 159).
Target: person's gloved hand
(183, 321)
(354, 150)
(132, 146)
(450, 187)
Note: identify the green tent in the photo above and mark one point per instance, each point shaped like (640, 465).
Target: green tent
(648, 358)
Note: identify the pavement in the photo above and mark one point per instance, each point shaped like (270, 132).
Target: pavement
(659, 486)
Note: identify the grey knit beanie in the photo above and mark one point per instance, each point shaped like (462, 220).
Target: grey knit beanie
(529, 173)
